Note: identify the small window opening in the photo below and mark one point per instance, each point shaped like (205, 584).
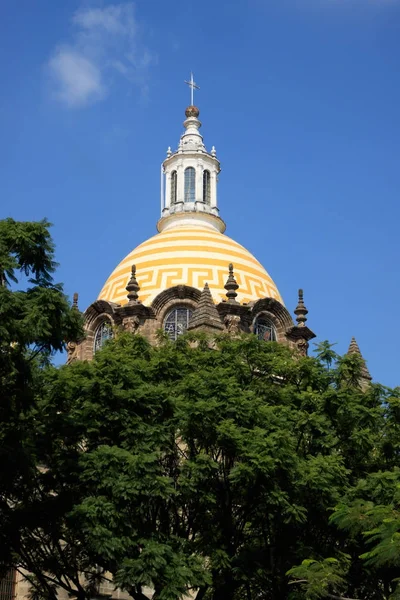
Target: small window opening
(104, 332)
(265, 330)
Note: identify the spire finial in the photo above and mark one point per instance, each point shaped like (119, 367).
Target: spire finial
(75, 301)
(301, 311)
(193, 86)
(231, 286)
(354, 347)
(133, 287)
(205, 314)
(365, 374)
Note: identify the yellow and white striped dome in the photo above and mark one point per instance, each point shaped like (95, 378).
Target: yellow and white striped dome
(191, 255)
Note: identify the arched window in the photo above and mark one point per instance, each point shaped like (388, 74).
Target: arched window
(206, 187)
(7, 585)
(190, 184)
(177, 321)
(264, 329)
(173, 187)
(103, 333)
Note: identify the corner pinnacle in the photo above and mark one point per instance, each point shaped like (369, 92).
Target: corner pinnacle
(205, 314)
(231, 286)
(75, 301)
(355, 349)
(133, 287)
(301, 311)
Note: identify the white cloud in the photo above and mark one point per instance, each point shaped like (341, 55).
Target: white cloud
(77, 80)
(105, 42)
(117, 19)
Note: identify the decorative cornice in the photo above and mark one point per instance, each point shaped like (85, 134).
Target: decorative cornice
(191, 216)
(275, 307)
(178, 292)
(100, 307)
(300, 333)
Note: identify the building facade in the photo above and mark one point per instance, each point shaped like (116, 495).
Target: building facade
(190, 275)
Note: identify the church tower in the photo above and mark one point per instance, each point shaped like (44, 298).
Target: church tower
(190, 275)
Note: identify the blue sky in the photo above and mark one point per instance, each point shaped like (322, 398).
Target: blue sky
(301, 99)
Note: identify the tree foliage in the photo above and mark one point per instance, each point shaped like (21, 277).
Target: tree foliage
(212, 467)
(229, 468)
(35, 322)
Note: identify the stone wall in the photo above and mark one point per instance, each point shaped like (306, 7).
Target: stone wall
(229, 317)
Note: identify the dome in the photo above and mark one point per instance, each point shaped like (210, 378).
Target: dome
(190, 255)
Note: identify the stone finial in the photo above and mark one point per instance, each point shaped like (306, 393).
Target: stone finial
(301, 311)
(169, 152)
(192, 111)
(213, 151)
(299, 335)
(355, 349)
(133, 287)
(205, 314)
(132, 324)
(231, 286)
(75, 301)
(232, 324)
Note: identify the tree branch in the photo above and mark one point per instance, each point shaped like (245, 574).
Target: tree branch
(137, 595)
(201, 593)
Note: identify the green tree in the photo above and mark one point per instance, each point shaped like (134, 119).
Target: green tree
(35, 322)
(366, 565)
(212, 465)
(207, 465)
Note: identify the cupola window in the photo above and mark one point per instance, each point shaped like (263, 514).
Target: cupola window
(190, 184)
(103, 333)
(173, 187)
(206, 187)
(177, 321)
(264, 329)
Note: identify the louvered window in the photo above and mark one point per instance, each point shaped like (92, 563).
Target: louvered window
(173, 186)
(7, 586)
(190, 184)
(206, 187)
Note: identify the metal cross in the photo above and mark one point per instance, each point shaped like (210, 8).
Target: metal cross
(193, 86)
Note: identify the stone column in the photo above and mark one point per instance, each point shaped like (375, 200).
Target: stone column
(199, 183)
(167, 199)
(180, 183)
(213, 184)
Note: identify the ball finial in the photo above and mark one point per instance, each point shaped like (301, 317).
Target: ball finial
(192, 111)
